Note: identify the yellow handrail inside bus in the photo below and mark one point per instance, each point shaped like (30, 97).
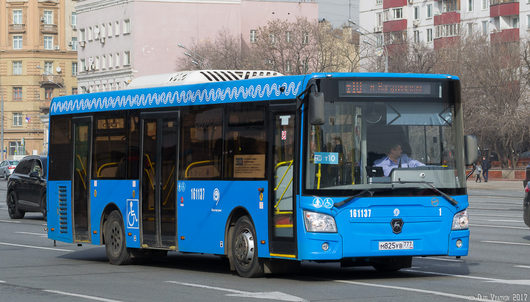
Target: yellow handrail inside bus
(283, 163)
(196, 163)
(284, 191)
(106, 165)
(319, 173)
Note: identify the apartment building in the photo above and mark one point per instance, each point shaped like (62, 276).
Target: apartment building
(124, 39)
(38, 61)
(437, 23)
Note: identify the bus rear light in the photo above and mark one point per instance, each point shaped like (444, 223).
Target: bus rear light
(130, 234)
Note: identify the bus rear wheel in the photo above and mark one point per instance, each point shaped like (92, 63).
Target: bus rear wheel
(244, 249)
(115, 245)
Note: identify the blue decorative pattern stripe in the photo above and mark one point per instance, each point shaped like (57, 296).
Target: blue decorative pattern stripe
(219, 92)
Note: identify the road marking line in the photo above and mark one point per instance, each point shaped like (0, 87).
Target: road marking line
(504, 220)
(2, 281)
(36, 247)
(409, 289)
(28, 233)
(442, 259)
(522, 266)
(277, 296)
(9, 221)
(497, 226)
(485, 279)
(491, 215)
(505, 242)
(80, 296)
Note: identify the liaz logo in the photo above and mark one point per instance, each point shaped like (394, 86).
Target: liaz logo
(397, 225)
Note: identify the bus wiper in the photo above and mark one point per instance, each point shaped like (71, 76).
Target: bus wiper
(361, 194)
(449, 198)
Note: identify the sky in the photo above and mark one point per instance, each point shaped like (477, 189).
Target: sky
(336, 11)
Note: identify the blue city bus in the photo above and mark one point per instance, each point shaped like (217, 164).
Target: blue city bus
(268, 171)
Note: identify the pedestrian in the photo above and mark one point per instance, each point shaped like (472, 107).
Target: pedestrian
(478, 172)
(486, 165)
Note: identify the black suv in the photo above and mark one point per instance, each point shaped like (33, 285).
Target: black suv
(26, 187)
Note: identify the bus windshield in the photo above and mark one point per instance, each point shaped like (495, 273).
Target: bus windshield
(370, 142)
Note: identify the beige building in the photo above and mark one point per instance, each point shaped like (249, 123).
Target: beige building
(38, 61)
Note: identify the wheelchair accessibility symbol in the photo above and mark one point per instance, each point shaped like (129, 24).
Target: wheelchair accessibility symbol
(132, 214)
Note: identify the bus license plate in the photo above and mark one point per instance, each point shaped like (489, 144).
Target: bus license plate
(396, 245)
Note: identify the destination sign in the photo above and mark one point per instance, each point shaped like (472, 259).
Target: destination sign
(388, 88)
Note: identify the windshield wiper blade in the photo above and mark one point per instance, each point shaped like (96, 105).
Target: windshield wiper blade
(361, 194)
(449, 198)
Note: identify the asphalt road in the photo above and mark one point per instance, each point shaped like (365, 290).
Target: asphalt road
(497, 268)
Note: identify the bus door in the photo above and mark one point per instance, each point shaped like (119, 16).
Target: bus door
(160, 133)
(82, 130)
(282, 167)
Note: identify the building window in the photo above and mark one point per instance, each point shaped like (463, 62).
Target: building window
(16, 148)
(74, 43)
(48, 67)
(253, 36)
(103, 30)
(82, 35)
(109, 30)
(48, 42)
(17, 119)
(288, 66)
(306, 38)
(74, 68)
(17, 67)
(379, 40)
(429, 10)
(515, 22)
(470, 28)
(397, 13)
(110, 61)
(126, 27)
(126, 58)
(74, 20)
(117, 28)
(288, 37)
(48, 17)
(379, 19)
(17, 16)
(416, 36)
(17, 93)
(89, 33)
(485, 30)
(96, 63)
(74, 90)
(485, 4)
(528, 21)
(117, 60)
(82, 64)
(416, 12)
(429, 35)
(48, 92)
(17, 42)
(378, 2)
(103, 62)
(272, 39)
(470, 5)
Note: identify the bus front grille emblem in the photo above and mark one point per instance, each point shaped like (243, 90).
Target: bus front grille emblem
(397, 225)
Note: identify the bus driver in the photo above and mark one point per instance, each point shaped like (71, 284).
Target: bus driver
(395, 159)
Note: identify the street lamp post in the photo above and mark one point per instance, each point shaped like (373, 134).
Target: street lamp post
(366, 33)
(195, 58)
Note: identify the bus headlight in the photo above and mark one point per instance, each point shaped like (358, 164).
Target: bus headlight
(461, 221)
(318, 222)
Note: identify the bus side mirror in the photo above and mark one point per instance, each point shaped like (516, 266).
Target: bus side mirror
(316, 108)
(470, 149)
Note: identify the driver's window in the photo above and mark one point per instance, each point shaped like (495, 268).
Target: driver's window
(36, 167)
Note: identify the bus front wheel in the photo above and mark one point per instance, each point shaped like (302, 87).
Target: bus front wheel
(115, 245)
(244, 249)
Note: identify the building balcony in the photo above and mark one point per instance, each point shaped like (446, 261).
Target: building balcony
(395, 25)
(49, 80)
(48, 28)
(17, 28)
(504, 8)
(394, 3)
(447, 18)
(44, 106)
(446, 42)
(507, 35)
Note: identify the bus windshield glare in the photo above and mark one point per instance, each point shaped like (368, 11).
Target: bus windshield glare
(379, 135)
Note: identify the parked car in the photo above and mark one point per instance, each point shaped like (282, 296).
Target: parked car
(7, 167)
(26, 188)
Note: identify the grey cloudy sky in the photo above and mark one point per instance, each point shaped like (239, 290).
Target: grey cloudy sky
(337, 11)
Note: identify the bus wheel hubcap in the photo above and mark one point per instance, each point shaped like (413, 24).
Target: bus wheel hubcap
(244, 247)
(115, 238)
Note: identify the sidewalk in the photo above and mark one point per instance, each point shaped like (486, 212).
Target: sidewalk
(492, 184)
